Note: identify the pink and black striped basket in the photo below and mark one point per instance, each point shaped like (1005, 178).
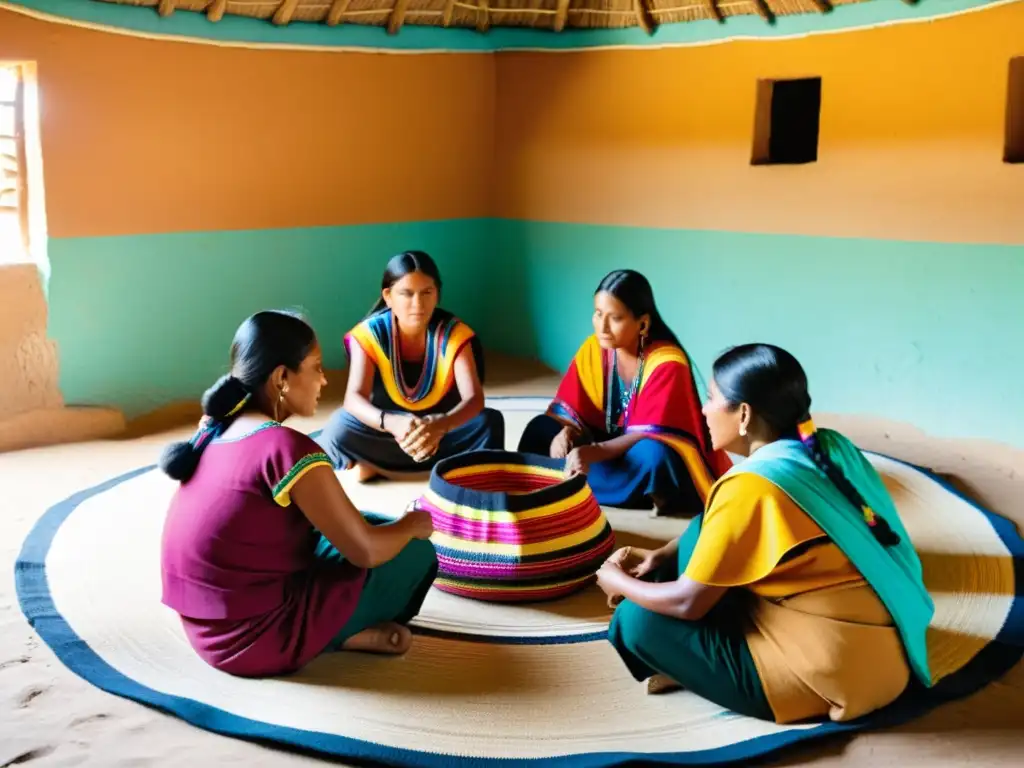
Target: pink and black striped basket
(510, 527)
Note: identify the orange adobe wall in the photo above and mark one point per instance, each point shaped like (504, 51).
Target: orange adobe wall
(911, 137)
(144, 136)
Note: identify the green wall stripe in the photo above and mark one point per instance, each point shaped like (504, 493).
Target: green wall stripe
(144, 320)
(920, 333)
(240, 30)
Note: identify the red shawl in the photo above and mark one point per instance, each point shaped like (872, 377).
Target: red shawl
(665, 407)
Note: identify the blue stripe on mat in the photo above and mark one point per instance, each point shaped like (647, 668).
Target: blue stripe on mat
(37, 604)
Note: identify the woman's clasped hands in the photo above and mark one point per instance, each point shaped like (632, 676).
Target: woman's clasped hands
(418, 436)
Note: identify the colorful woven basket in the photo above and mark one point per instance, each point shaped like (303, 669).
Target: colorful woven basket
(509, 527)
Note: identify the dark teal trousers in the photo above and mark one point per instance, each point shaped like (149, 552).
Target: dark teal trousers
(394, 591)
(709, 657)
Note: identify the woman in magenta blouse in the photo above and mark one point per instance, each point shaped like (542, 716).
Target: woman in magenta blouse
(264, 557)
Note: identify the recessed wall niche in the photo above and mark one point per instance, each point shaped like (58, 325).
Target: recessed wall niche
(786, 121)
(1013, 148)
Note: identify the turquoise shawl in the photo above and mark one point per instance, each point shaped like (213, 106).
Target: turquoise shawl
(893, 572)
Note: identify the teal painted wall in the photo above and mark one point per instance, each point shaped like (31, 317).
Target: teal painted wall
(143, 320)
(921, 333)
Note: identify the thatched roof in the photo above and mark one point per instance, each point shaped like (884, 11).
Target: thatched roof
(554, 15)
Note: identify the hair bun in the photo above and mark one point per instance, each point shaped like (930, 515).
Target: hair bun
(179, 460)
(224, 397)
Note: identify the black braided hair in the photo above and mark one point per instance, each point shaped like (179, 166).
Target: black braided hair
(878, 524)
(773, 383)
(262, 343)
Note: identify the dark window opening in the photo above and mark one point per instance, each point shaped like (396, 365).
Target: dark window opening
(1013, 150)
(786, 122)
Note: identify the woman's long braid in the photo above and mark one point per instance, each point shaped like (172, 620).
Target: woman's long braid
(878, 525)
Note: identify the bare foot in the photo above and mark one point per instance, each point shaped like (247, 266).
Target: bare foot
(658, 508)
(365, 473)
(659, 683)
(389, 638)
(665, 508)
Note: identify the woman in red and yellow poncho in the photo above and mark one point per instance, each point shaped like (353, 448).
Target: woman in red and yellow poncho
(627, 412)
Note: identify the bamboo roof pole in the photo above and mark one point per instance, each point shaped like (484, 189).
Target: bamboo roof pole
(483, 16)
(561, 15)
(397, 17)
(449, 9)
(716, 12)
(285, 11)
(215, 12)
(337, 12)
(764, 11)
(166, 7)
(643, 16)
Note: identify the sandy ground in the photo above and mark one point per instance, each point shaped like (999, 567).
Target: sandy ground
(50, 717)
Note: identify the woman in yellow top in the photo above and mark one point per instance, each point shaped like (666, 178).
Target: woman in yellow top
(797, 593)
(415, 383)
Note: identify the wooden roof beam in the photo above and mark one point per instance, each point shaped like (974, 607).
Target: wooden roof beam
(561, 15)
(823, 6)
(166, 7)
(397, 17)
(483, 16)
(216, 10)
(643, 16)
(716, 12)
(449, 9)
(285, 11)
(337, 12)
(764, 11)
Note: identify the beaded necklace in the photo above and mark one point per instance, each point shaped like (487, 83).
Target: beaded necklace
(417, 391)
(625, 396)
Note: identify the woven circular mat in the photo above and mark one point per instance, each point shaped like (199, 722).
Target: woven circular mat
(483, 682)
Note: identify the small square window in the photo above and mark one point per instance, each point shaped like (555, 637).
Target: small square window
(1013, 150)
(786, 122)
(14, 245)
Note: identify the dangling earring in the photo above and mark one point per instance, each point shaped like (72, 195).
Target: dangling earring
(278, 404)
(643, 339)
